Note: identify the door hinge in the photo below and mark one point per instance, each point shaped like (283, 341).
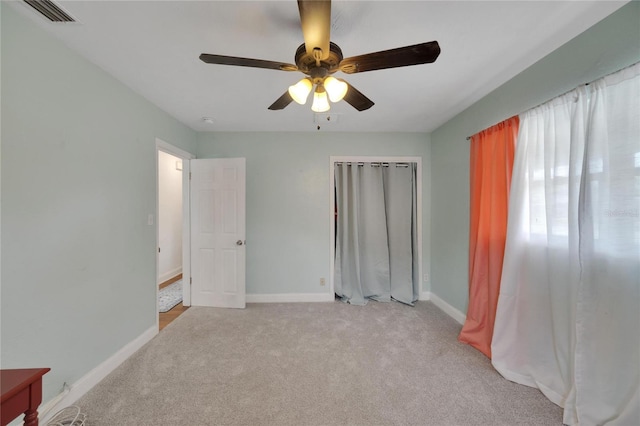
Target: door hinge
(190, 280)
(158, 249)
(189, 175)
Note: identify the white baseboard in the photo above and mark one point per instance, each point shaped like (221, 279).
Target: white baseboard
(448, 309)
(444, 306)
(93, 377)
(170, 274)
(290, 297)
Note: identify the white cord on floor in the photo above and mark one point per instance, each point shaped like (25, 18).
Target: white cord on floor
(70, 416)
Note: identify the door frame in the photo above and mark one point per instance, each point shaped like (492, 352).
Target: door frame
(332, 228)
(186, 226)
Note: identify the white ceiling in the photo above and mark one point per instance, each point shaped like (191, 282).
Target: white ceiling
(153, 47)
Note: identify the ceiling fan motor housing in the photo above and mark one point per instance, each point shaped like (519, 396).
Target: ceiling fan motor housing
(307, 63)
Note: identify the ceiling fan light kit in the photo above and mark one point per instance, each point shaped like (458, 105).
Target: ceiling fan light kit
(320, 100)
(300, 91)
(319, 58)
(336, 89)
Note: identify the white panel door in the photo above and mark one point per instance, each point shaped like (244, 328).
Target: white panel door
(218, 232)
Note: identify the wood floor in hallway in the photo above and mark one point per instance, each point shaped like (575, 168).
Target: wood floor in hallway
(167, 317)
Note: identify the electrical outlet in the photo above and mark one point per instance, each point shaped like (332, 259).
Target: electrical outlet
(322, 282)
(426, 278)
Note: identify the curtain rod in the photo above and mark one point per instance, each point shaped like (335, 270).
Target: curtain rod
(562, 94)
(548, 100)
(375, 164)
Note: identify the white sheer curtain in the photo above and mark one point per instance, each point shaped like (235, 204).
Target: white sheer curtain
(568, 314)
(376, 238)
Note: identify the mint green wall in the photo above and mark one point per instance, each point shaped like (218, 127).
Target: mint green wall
(288, 196)
(610, 45)
(78, 181)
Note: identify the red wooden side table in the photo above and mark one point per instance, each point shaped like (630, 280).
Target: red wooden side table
(21, 393)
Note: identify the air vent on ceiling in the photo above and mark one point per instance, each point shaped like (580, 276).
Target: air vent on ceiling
(50, 10)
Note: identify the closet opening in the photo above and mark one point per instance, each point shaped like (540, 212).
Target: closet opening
(376, 229)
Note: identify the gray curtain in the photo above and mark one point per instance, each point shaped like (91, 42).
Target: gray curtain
(376, 232)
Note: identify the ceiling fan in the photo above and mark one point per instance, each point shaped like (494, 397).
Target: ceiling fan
(319, 58)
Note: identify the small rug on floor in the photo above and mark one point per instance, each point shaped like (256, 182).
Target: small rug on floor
(170, 296)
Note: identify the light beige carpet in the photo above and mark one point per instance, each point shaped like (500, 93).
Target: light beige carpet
(312, 364)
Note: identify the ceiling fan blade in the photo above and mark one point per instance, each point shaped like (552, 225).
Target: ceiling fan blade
(246, 62)
(315, 18)
(281, 102)
(356, 99)
(417, 54)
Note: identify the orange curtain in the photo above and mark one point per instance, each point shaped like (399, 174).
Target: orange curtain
(492, 153)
